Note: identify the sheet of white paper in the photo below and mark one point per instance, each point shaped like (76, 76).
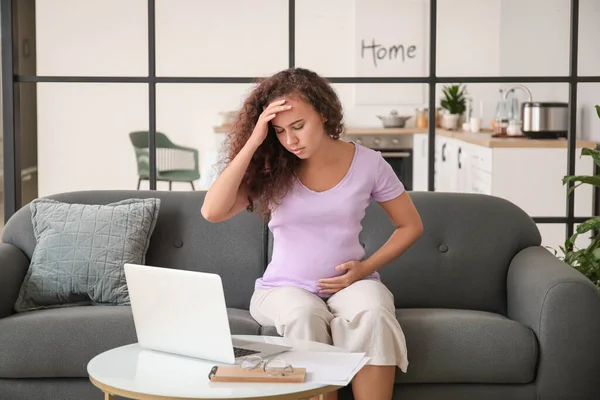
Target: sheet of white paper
(342, 382)
(326, 367)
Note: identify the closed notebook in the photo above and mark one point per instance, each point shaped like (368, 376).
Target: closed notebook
(234, 373)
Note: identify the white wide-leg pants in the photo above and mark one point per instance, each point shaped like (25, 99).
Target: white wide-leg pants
(359, 318)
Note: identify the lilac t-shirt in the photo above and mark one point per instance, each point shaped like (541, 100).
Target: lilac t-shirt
(313, 232)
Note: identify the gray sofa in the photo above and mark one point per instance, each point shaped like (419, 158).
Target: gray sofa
(487, 312)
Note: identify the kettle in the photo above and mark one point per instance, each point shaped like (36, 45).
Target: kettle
(393, 120)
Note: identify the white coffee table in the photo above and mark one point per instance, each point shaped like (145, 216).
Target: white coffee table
(135, 373)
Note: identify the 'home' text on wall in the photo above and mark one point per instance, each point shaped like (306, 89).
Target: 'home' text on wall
(379, 52)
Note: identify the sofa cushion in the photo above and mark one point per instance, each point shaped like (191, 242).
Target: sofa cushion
(81, 250)
(462, 346)
(242, 323)
(60, 342)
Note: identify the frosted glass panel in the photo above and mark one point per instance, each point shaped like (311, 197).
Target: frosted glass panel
(588, 96)
(534, 37)
(589, 32)
(83, 135)
(503, 37)
(553, 236)
(191, 115)
(92, 37)
(468, 38)
(221, 38)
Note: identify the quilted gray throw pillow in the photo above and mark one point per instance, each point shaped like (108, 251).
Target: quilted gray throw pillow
(81, 250)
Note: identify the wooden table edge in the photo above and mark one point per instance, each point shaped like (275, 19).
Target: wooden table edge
(110, 391)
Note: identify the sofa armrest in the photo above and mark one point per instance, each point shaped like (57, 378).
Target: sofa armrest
(13, 267)
(562, 307)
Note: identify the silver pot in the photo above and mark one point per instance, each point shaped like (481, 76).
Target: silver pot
(393, 120)
(545, 119)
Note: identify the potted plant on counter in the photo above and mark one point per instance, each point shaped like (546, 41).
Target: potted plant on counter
(585, 260)
(454, 102)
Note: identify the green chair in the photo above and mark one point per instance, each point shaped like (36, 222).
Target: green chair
(173, 163)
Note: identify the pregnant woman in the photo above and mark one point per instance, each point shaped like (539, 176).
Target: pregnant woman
(285, 160)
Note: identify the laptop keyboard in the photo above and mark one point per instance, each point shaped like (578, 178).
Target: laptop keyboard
(240, 352)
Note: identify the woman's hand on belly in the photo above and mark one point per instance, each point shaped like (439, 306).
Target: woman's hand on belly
(355, 271)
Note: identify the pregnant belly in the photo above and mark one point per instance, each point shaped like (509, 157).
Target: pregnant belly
(311, 266)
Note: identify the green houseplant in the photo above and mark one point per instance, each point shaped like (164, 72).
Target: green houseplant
(585, 260)
(454, 102)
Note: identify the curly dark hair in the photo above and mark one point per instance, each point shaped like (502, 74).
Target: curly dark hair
(271, 170)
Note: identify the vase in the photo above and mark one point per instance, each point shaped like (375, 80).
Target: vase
(451, 121)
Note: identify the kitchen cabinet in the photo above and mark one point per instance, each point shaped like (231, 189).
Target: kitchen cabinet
(420, 166)
(464, 170)
(449, 164)
(446, 165)
(530, 177)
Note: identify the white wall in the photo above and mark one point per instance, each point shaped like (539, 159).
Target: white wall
(589, 64)
(236, 38)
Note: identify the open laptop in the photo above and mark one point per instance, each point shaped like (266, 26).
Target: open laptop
(183, 312)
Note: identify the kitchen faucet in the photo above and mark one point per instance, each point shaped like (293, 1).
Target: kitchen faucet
(520, 87)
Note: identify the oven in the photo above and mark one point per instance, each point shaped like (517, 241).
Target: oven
(396, 149)
(401, 162)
